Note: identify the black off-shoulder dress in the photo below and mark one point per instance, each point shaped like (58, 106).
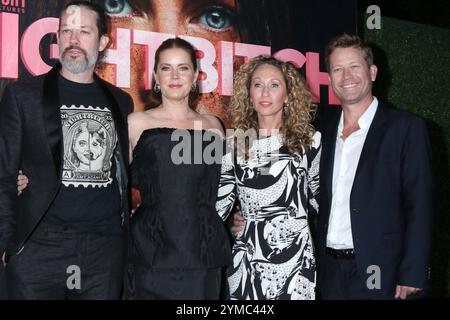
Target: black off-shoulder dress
(179, 244)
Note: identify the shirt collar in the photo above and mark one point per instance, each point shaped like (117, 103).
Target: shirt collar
(365, 120)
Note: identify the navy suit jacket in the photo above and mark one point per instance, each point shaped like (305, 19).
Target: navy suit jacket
(391, 201)
(31, 140)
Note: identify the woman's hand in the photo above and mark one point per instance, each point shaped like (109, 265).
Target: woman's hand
(237, 223)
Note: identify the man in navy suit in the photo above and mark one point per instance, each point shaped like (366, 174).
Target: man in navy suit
(374, 226)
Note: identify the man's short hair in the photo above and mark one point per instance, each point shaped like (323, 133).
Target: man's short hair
(348, 41)
(102, 19)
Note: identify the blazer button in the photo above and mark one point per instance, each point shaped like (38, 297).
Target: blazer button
(354, 210)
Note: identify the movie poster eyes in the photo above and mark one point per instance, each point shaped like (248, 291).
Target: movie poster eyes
(215, 17)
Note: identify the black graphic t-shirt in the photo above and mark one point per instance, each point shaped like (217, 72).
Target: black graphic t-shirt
(89, 198)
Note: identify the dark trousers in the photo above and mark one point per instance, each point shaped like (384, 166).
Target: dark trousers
(342, 281)
(3, 292)
(62, 263)
(176, 284)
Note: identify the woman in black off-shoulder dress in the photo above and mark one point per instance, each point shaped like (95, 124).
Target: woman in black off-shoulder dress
(179, 244)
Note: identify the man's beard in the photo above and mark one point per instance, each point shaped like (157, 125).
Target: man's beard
(77, 66)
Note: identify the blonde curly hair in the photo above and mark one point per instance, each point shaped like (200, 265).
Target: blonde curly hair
(297, 130)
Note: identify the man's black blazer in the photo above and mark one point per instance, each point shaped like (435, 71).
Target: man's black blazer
(31, 140)
(391, 202)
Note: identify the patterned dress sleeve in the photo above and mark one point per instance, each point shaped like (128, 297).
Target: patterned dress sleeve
(313, 174)
(227, 187)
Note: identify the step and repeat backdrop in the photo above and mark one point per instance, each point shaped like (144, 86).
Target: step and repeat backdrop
(226, 34)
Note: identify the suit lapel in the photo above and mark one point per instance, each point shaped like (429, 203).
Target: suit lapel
(52, 117)
(371, 143)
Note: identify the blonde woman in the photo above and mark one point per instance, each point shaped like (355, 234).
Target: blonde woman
(275, 178)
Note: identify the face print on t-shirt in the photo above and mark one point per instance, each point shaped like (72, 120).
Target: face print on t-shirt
(89, 147)
(89, 142)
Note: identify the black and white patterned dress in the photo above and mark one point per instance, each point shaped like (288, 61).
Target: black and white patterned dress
(273, 258)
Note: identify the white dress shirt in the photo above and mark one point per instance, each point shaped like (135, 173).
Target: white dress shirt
(346, 158)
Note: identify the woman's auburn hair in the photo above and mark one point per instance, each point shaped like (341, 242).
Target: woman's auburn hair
(297, 130)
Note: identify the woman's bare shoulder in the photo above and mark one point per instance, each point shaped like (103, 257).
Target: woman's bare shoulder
(213, 123)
